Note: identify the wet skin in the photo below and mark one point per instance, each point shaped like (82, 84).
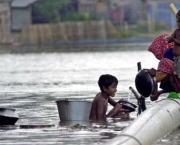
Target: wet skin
(100, 104)
(175, 38)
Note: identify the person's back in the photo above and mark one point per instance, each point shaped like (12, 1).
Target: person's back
(108, 86)
(99, 103)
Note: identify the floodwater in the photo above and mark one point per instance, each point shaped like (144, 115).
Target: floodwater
(32, 82)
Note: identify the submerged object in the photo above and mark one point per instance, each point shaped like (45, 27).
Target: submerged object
(73, 110)
(8, 116)
(145, 83)
(160, 119)
(35, 126)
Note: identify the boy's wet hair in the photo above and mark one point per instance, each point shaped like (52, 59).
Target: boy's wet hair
(106, 80)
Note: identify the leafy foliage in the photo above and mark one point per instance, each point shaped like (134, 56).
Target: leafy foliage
(77, 17)
(51, 11)
(47, 11)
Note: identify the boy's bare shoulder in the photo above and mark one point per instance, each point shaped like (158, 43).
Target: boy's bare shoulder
(99, 97)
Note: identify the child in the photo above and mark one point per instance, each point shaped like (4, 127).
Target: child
(108, 86)
(176, 50)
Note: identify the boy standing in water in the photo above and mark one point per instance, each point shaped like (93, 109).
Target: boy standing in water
(108, 86)
(176, 50)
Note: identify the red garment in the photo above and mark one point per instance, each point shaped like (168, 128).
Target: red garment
(160, 45)
(167, 66)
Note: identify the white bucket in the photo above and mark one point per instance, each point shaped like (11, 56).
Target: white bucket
(73, 110)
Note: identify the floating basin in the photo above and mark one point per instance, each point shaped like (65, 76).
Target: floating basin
(73, 110)
(8, 116)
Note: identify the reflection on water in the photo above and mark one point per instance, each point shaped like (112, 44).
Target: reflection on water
(31, 83)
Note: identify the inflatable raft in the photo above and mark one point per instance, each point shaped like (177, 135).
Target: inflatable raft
(153, 124)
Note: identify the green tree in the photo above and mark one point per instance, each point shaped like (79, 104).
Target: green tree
(74, 16)
(47, 11)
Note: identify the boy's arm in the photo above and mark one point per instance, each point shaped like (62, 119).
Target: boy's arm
(112, 101)
(170, 38)
(174, 33)
(174, 39)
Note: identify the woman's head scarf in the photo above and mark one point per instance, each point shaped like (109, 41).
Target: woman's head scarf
(160, 45)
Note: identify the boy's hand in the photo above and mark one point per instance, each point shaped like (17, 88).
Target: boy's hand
(169, 39)
(122, 100)
(124, 110)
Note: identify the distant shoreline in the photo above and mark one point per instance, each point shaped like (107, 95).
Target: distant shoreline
(81, 45)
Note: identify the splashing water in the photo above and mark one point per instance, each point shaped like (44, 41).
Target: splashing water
(129, 95)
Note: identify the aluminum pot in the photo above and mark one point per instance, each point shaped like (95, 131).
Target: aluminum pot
(73, 110)
(8, 116)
